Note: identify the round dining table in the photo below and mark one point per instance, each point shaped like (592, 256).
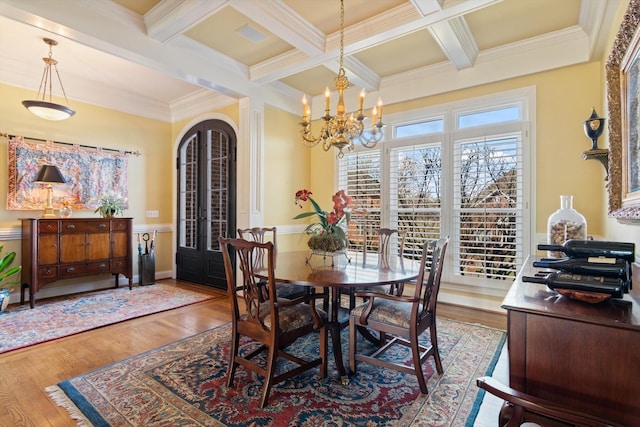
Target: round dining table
(338, 273)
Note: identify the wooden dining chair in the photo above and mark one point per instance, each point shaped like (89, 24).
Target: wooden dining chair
(386, 238)
(385, 243)
(275, 323)
(399, 320)
(269, 234)
(522, 407)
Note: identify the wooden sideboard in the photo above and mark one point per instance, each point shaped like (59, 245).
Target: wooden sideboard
(583, 356)
(62, 248)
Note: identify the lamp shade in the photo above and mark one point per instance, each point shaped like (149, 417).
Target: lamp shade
(48, 110)
(49, 173)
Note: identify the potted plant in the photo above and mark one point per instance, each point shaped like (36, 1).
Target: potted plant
(111, 204)
(328, 234)
(6, 271)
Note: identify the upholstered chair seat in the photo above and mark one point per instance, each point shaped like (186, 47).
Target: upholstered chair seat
(291, 318)
(392, 313)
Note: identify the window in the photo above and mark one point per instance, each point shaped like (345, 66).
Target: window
(416, 190)
(460, 170)
(360, 176)
(487, 214)
(423, 127)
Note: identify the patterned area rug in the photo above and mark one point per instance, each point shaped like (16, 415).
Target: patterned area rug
(183, 384)
(58, 317)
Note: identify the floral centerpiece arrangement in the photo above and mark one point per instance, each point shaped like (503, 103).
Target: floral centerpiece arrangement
(111, 204)
(328, 233)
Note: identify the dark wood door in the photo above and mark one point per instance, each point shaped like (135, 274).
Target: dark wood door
(206, 201)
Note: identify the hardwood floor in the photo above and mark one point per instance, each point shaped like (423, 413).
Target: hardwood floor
(25, 373)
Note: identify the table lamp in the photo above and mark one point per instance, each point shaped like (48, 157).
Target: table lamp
(49, 174)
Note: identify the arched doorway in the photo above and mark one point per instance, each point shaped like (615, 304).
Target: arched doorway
(206, 201)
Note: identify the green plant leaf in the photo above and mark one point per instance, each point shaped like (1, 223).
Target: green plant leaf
(10, 273)
(7, 260)
(316, 206)
(304, 215)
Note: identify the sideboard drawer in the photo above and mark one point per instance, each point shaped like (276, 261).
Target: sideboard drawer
(48, 226)
(72, 270)
(119, 225)
(84, 226)
(47, 272)
(119, 265)
(99, 267)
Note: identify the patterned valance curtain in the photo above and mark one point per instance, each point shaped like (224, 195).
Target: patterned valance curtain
(90, 174)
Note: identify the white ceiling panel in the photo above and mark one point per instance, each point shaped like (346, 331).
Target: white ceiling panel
(160, 58)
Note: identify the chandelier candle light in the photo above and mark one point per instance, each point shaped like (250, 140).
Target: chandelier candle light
(341, 130)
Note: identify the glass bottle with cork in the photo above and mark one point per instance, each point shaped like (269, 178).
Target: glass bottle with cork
(565, 224)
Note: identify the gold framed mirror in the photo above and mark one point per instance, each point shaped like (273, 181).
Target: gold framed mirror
(623, 75)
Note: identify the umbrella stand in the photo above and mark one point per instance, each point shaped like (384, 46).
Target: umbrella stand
(146, 258)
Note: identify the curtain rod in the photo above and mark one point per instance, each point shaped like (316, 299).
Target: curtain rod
(132, 153)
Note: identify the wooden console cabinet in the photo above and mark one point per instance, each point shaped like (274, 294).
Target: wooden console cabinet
(582, 356)
(62, 248)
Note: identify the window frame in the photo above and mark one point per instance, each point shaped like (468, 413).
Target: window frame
(525, 98)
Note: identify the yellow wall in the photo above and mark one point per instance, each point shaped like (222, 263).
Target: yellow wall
(564, 98)
(286, 171)
(101, 127)
(180, 126)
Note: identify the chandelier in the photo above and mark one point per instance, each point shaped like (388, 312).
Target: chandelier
(41, 107)
(342, 129)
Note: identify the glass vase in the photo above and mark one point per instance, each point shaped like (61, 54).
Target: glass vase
(565, 224)
(65, 211)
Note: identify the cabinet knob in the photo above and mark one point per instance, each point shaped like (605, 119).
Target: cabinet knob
(70, 270)
(102, 225)
(71, 226)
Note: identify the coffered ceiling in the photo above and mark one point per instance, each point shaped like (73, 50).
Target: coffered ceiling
(171, 59)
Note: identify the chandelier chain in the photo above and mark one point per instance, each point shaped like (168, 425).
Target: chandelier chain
(341, 36)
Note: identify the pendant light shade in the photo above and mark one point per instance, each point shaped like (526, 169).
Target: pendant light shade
(48, 110)
(44, 107)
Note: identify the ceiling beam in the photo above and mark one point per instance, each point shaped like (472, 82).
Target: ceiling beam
(391, 24)
(427, 7)
(98, 28)
(278, 18)
(456, 41)
(171, 18)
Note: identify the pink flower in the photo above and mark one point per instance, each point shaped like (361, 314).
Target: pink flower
(333, 219)
(302, 195)
(328, 222)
